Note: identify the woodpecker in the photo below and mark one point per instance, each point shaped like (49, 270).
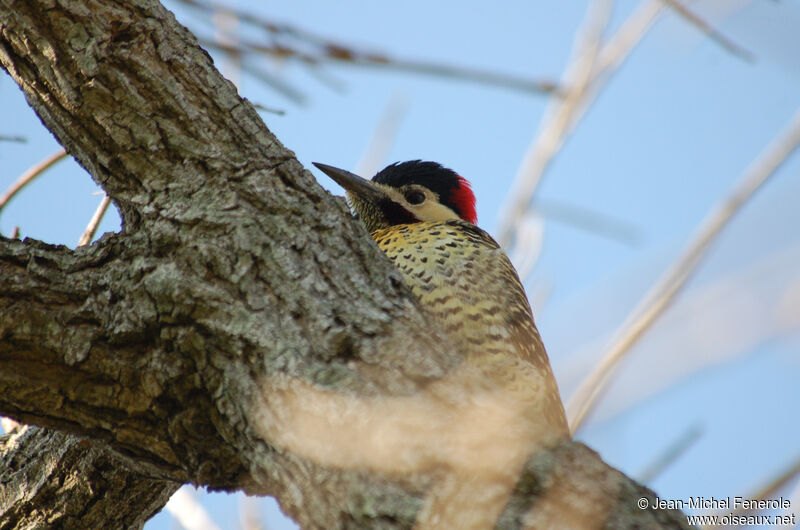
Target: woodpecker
(422, 216)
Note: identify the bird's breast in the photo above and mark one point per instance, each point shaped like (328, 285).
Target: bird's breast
(466, 282)
(464, 279)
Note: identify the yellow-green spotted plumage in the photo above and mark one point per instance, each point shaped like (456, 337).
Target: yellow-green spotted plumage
(422, 216)
(465, 280)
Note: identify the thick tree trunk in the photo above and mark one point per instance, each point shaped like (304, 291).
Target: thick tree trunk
(239, 330)
(56, 480)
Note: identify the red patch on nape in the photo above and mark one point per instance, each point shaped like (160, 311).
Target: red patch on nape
(464, 201)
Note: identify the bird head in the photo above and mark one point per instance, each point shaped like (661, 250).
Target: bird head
(406, 192)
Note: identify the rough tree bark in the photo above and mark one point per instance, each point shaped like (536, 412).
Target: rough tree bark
(183, 348)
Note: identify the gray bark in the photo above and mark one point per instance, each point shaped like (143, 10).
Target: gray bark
(169, 350)
(53, 479)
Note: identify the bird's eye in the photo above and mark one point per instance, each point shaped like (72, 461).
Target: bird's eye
(415, 197)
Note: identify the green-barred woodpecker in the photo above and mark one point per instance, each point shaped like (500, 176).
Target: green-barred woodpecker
(422, 215)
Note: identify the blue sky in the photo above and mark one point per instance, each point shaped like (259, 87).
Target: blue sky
(667, 139)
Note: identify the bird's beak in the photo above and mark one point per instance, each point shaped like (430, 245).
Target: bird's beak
(351, 182)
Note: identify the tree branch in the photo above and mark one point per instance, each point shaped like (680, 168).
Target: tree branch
(56, 480)
(74, 329)
(29, 175)
(193, 343)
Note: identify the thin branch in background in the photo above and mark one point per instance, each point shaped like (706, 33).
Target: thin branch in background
(558, 124)
(250, 513)
(794, 497)
(671, 454)
(726, 318)
(189, 512)
(225, 24)
(263, 108)
(374, 157)
(27, 177)
(659, 298)
(589, 70)
(8, 424)
(287, 90)
(336, 54)
(289, 42)
(710, 32)
(530, 240)
(91, 228)
(474, 75)
(771, 487)
(327, 78)
(590, 221)
(539, 294)
(18, 139)
(619, 47)
(268, 78)
(766, 491)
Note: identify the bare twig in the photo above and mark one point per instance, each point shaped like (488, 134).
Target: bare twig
(722, 318)
(528, 247)
(618, 49)
(33, 172)
(452, 72)
(290, 42)
(630, 33)
(672, 453)
(8, 424)
(709, 30)
(225, 24)
(271, 110)
(279, 85)
(326, 77)
(587, 73)
(284, 88)
(250, 513)
(91, 228)
(794, 499)
(374, 157)
(663, 293)
(590, 221)
(190, 514)
(15, 233)
(18, 139)
(777, 482)
(340, 54)
(766, 491)
(529, 228)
